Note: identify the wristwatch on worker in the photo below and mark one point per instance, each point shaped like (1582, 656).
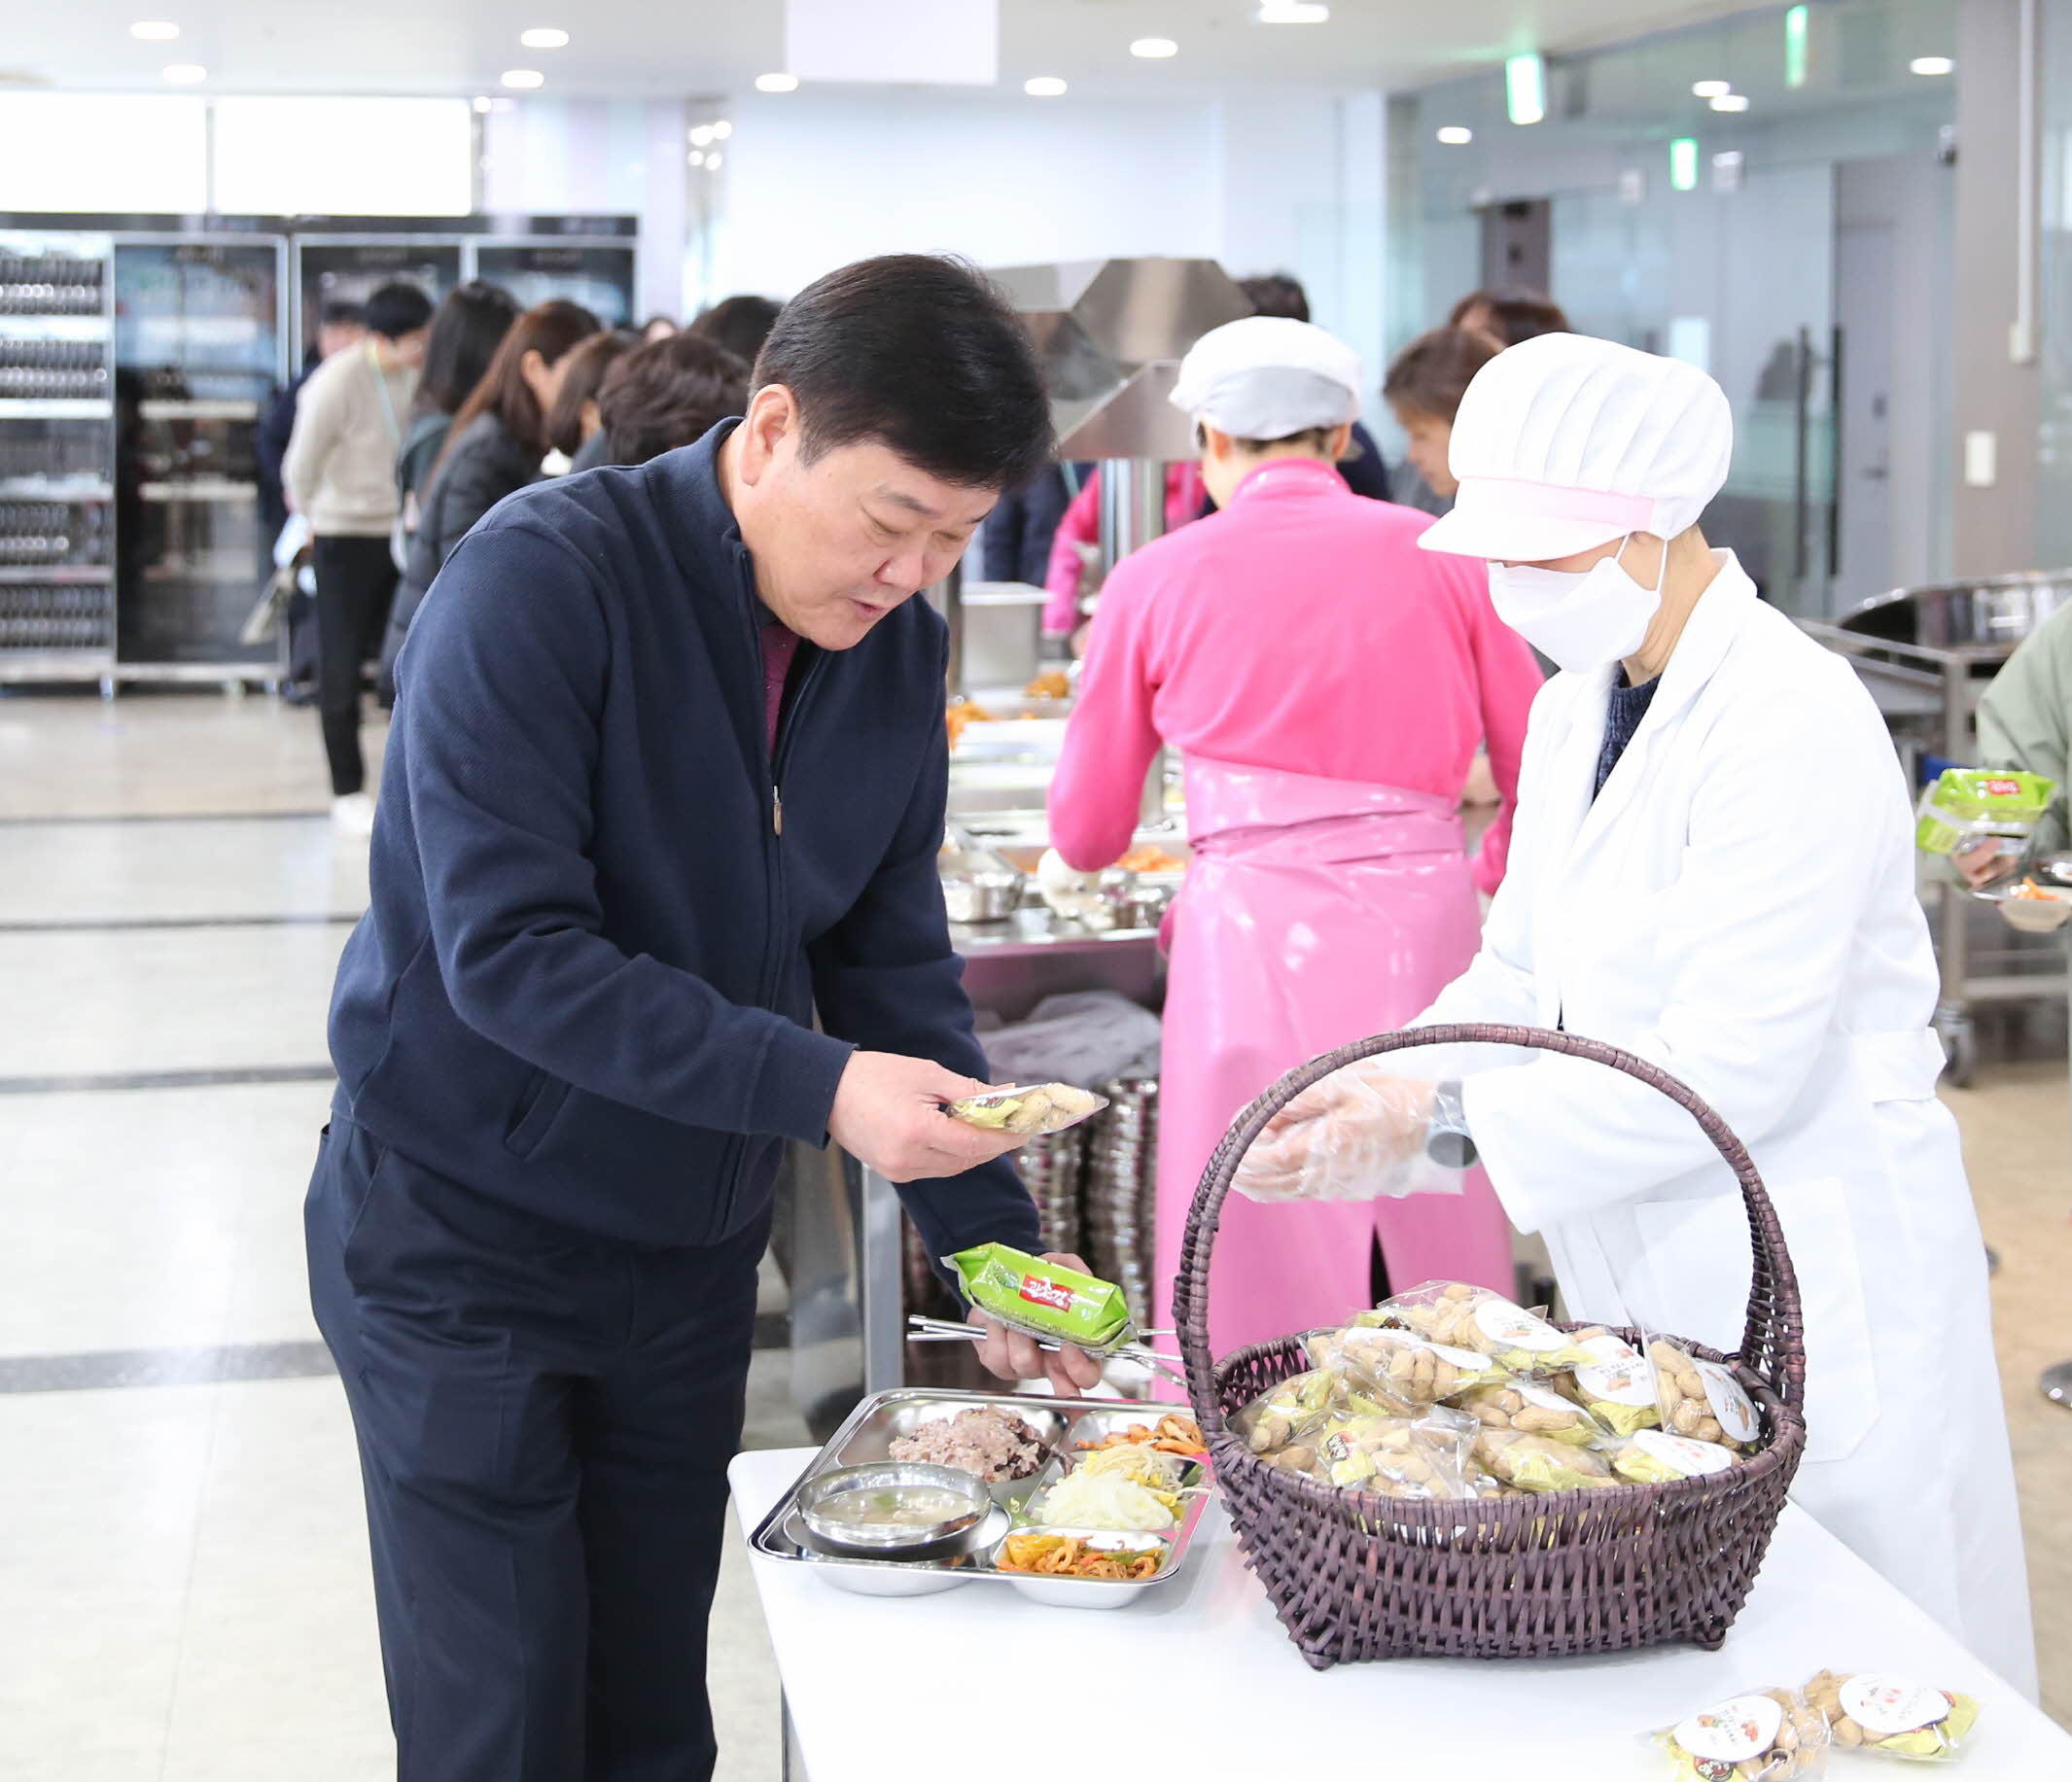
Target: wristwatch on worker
(1447, 1140)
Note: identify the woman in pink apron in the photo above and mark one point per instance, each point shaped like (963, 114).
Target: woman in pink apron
(1328, 685)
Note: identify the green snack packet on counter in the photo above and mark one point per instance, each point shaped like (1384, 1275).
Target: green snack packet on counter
(1969, 801)
(1043, 1297)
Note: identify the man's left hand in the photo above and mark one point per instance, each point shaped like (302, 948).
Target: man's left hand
(1013, 1354)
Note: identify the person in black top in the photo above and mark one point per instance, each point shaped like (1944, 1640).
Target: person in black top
(653, 891)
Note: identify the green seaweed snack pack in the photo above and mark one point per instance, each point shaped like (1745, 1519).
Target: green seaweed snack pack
(1969, 802)
(1043, 1297)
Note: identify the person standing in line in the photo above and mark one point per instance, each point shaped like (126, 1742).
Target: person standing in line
(340, 473)
(494, 446)
(1508, 315)
(668, 394)
(741, 324)
(466, 332)
(342, 325)
(666, 781)
(574, 421)
(1326, 683)
(1423, 389)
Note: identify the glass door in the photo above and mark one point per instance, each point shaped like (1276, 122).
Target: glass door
(199, 358)
(598, 277)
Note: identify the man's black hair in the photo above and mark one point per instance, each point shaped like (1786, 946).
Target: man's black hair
(397, 309)
(1277, 294)
(740, 324)
(922, 354)
(339, 313)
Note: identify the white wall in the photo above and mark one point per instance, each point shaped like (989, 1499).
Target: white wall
(815, 180)
(605, 157)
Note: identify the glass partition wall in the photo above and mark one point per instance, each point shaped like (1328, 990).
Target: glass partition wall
(1767, 196)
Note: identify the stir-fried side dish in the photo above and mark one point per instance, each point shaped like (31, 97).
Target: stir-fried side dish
(1072, 1556)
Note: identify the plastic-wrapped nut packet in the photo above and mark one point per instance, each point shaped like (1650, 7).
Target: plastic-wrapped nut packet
(1402, 1364)
(1869, 1711)
(1028, 1112)
(1538, 1463)
(1474, 1318)
(1766, 1735)
(1617, 1386)
(1703, 1399)
(1653, 1457)
(1532, 1410)
(1046, 1299)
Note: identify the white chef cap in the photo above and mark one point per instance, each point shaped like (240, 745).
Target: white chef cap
(1267, 378)
(1564, 443)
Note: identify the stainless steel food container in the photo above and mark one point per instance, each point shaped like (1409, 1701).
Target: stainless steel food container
(934, 1540)
(867, 1434)
(1065, 1593)
(982, 897)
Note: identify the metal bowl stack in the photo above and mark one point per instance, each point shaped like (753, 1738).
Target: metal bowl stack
(1121, 1177)
(1053, 1167)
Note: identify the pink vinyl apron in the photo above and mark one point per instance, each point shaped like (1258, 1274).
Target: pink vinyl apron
(1317, 912)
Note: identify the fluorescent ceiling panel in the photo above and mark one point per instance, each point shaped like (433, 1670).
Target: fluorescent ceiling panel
(345, 158)
(923, 42)
(120, 152)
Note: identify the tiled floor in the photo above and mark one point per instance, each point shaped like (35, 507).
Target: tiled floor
(182, 1571)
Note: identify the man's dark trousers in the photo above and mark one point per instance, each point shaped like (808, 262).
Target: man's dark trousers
(545, 1419)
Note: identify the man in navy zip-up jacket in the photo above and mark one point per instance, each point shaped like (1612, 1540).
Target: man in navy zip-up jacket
(666, 778)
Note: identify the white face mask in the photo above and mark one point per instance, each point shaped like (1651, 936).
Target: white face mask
(1578, 619)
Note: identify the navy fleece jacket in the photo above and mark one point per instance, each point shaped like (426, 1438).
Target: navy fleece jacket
(603, 915)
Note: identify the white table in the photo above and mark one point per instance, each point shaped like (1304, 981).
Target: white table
(1201, 1679)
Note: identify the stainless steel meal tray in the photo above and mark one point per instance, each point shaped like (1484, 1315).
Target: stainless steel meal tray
(867, 1435)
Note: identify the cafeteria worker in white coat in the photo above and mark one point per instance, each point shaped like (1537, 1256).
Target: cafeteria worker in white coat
(1712, 868)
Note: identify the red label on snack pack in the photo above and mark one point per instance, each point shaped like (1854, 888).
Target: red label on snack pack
(1047, 1293)
(2002, 788)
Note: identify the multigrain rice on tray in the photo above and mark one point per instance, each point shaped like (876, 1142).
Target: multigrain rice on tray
(995, 1446)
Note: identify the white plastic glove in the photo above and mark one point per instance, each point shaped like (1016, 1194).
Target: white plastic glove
(1070, 893)
(1358, 1135)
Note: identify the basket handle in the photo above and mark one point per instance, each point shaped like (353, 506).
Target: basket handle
(1772, 1339)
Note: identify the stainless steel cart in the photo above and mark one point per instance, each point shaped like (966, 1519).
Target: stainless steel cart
(1927, 655)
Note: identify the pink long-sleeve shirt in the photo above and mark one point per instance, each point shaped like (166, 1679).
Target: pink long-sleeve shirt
(1300, 629)
(1081, 525)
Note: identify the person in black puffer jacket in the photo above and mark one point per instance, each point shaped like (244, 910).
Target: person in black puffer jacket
(492, 450)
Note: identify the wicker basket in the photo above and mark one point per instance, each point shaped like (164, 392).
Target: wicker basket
(1355, 1576)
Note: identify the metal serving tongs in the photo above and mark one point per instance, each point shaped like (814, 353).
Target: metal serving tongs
(943, 1330)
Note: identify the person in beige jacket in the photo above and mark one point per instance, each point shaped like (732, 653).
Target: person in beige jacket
(339, 474)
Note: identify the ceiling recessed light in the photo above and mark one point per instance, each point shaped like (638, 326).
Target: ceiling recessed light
(523, 79)
(1711, 89)
(697, 158)
(185, 74)
(1292, 12)
(155, 31)
(1730, 102)
(1154, 49)
(777, 82)
(482, 102)
(544, 37)
(1044, 87)
(722, 129)
(1456, 135)
(700, 135)
(713, 161)
(1932, 64)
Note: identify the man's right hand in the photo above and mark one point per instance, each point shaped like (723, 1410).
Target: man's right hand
(888, 1115)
